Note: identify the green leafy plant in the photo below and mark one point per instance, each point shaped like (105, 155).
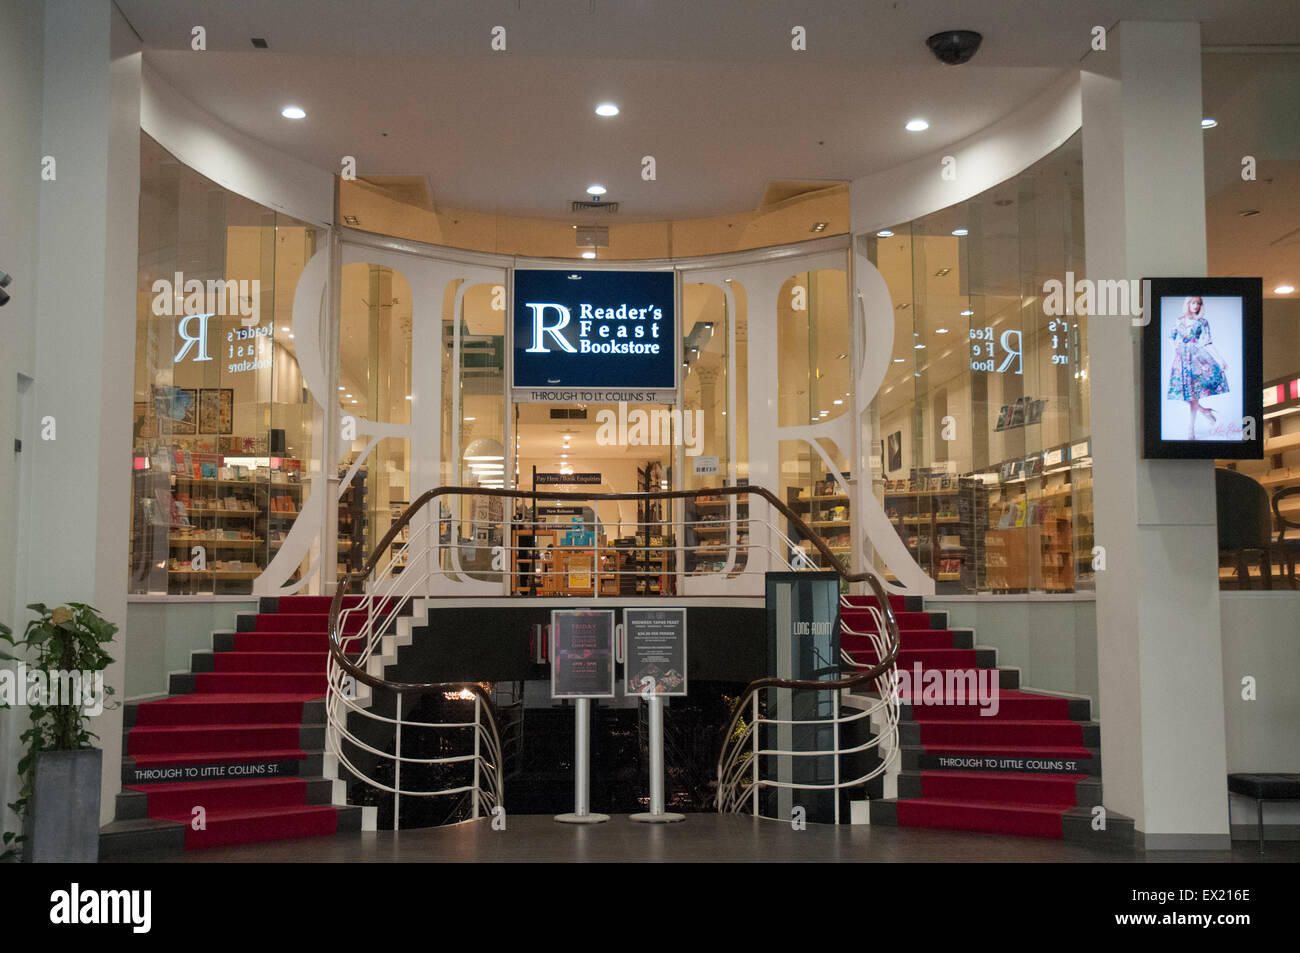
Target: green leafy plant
(68, 638)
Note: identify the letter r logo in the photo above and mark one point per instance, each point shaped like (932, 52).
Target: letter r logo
(540, 327)
(201, 339)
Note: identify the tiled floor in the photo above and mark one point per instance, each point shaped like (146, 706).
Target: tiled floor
(701, 837)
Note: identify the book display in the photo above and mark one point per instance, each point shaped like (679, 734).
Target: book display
(212, 520)
(825, 508)
(353, 523)
(707, 523)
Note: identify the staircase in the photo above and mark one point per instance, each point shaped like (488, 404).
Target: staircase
(1031, 767)
(234, 755)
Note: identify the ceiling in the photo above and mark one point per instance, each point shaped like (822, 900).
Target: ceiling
(712, 90)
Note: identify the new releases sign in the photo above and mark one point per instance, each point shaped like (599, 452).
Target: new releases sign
(590, 331)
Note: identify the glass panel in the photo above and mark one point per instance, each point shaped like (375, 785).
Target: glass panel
(222, 422)
(982, 422)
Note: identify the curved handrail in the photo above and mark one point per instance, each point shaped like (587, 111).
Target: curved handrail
(373, 561)
(852, 681)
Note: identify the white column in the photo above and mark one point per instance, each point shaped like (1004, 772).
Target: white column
(79, 501)
(1158, 625)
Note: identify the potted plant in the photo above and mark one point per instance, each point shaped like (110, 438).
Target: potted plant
(62, 685)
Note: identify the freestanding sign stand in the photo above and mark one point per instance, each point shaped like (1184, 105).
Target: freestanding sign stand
(582, 668)
(655, 668)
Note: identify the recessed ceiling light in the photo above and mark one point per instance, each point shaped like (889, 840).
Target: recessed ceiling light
(917, 125)
(898, 360)
(347, 395)
(341, 387)
(959, 232)
(589, 254)
(819, 226)
(967, 313)
(823, 413)
(468, 419)
(1208, 123)
(354, 400)
(884, 233)
(841, 356)
(837, 401)
(291, 336)
(942, 272)
(1283, 289)
(285, 330)
(606, 109)
(919, 346)
(596, 190)
(940, 330)
(408, 396)
(293, 112)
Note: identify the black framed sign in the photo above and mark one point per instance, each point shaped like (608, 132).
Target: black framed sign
(1202, 369)
(655, 660)
(594, 336)
(582, 653)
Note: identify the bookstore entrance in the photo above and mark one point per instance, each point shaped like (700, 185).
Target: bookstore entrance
(602, 548)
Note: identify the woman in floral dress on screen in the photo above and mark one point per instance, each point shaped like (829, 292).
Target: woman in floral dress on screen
(1198, 371)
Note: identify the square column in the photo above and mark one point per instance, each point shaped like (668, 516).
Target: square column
(1159, 644)
(78, 499)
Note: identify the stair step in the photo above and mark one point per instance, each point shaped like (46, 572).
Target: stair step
(1047, 790)
(998, 732)
(247, 826)
(288, 683)
(166, 800)
(212, 708)
(298, 663)
(210, 739)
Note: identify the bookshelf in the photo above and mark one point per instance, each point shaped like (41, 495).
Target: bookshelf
(353, 523)
(212, 521)
(707, 525)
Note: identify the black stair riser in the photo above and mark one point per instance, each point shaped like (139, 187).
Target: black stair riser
(909, 731)
(247, 770)
(1086, 793)
(914, 759)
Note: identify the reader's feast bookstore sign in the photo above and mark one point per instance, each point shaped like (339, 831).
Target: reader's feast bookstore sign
(594, 336)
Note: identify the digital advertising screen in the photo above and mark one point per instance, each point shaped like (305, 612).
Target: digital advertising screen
(1202, 369)
(593, 335)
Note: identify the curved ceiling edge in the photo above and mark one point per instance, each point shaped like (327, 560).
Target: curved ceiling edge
(993, 155)
(232, 159)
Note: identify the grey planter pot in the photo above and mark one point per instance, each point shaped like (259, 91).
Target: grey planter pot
(63, 815)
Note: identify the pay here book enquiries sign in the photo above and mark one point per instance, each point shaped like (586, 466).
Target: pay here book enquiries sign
(594, 336)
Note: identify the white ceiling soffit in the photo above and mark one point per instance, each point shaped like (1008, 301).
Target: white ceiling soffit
(712, 90)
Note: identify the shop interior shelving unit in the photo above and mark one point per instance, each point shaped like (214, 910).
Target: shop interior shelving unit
(240, 516)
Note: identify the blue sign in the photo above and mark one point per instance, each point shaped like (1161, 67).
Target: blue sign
(594, 329)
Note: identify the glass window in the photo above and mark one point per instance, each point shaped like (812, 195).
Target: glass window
(223, 425)
(982, 423)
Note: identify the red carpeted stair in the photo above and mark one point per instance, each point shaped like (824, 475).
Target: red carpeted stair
(1029, 767)
(242, 733)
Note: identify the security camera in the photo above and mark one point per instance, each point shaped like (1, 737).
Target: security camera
(955, 47)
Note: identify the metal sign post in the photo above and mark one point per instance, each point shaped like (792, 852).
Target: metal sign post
(657, 813)
(582, 769)
(582, 668)
(655, 668)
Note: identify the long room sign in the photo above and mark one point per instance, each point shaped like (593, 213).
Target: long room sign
(594, 336)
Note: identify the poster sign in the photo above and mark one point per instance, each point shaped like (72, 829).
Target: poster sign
(585, 330)
(1202, 369)
(656, 650)
(706, 466)
(582, 653)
